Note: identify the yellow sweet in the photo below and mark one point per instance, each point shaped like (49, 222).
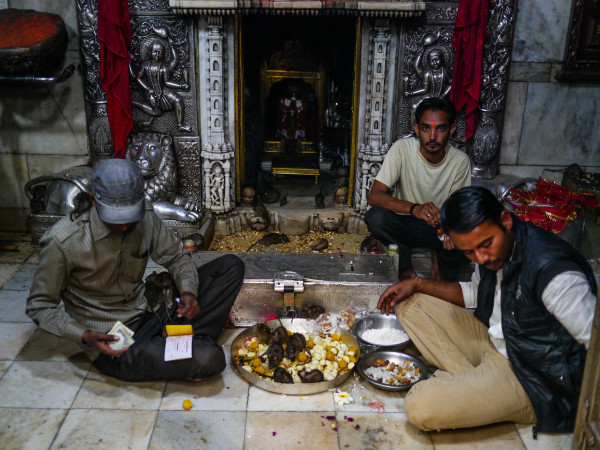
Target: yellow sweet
(335, 337)
(342, 364)
(310, 343)
(187, 404)
(256, 362)
(302, 357)
(253, 344)
(330, 356)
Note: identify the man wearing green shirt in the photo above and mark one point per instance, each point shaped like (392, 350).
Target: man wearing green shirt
(94, 261)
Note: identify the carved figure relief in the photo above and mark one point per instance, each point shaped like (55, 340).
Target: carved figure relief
(155, 77)
(217, 185)
(154, 155)
(427, 71)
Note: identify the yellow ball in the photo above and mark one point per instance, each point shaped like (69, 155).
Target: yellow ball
(187, 404)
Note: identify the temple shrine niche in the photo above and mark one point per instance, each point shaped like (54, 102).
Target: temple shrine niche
(310, 91)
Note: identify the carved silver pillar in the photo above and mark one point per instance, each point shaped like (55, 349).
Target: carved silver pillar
(216, 93)
(484, 147)
(372, 108)
(99, 138)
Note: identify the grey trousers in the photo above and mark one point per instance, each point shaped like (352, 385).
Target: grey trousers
(220, 282)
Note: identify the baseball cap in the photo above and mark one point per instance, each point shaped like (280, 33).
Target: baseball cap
(118, 189)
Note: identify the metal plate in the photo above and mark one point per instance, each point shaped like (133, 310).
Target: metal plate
(377, 320)
(367, 361)
(294, 325)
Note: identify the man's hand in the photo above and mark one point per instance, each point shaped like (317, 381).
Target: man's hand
(448, 244)
(395, 294)
(189, 306)
(100, 341)
(428, 212)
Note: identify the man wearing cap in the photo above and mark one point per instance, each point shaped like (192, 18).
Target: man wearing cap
(94, 261)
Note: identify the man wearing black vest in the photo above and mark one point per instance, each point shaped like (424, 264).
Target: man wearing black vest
(520, 357)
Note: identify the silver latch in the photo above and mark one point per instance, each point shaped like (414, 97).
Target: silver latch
(290, 283)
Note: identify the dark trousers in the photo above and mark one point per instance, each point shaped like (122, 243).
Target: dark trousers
(220, 282)
(409, 232)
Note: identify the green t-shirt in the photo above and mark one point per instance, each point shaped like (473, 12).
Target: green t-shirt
(418, 181)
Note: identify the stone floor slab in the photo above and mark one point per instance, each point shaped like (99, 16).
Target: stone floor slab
(12, 306)
(502, 436)
(305, 430)
(44, 346)
(110, 429)
(214, 430)
(544, 441)
(102, 392)
(34, 384)
(29, 428)
(261, 400)
(13, 337)
(21, 280)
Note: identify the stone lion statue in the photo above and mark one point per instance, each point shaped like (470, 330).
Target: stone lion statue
(153, 153)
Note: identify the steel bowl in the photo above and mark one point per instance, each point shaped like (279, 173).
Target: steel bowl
(367, 361)
(296, 326)
(377, 320)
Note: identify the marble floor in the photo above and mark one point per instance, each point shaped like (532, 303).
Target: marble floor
(51, 397)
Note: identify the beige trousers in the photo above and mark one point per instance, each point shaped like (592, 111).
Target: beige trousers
(476, 385)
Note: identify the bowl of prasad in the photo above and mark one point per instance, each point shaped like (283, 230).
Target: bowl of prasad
(377, 331)
(391, 370)
(294, 356)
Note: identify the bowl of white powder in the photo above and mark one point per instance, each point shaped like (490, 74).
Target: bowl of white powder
(379, 332)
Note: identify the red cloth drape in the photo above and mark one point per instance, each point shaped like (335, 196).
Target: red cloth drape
(114, 34)
(470, 29)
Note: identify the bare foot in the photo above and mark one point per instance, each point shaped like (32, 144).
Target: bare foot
(435, 273)
(406, 274)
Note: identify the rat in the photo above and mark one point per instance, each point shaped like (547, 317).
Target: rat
(271, 239)
(312, 311)
(275, 354)
(314, 376)
(263, 333)
(320, 198)
(319, 245)
(368, 244)
(282, 376)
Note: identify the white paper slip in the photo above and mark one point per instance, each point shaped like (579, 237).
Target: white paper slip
(178, 347)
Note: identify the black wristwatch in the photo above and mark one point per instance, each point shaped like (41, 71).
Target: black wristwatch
(412, 208)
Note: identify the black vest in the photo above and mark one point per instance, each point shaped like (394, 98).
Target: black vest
(546, 359)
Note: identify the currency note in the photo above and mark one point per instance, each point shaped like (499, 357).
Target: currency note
(125, 336)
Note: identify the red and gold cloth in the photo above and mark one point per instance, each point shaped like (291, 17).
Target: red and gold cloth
(114, 34)
(550, 206)
(470, 31)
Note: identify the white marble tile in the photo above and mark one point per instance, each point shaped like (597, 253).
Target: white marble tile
(13, 336)
(261, 400)
(6, 272)
(376, 431)
(513, 122)
(218, 430)
(21, 280)
(541, 30)
(14, 175)
(4, 365)
(44, 346)
(530, 71)
(544, 441)
(40, 165)
(289, 430)
(502, 436)
(45, 121)
(224, 392)
(364, 393)
(110, 429)
(12, 306)
(102, 392)
(522, 171)
(558, 125)
(29, 428)
(33, 384)
(34, 258)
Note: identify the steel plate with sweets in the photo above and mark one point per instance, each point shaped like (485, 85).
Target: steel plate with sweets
(392, 370)
(291, 356)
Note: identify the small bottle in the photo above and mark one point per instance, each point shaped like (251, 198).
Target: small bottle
(393, 248)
